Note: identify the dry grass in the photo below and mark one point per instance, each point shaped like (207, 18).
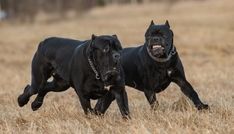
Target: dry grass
(204, 34)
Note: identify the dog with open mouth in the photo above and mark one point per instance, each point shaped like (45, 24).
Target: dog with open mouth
(87, 66)
(153, 66)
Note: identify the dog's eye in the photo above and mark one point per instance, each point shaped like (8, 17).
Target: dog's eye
(106, 49)
(148, 37)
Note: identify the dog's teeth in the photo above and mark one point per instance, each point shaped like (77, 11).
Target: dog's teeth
(156, 46)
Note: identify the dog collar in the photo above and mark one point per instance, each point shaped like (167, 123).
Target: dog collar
(172, 52)
(97, 76)
(94, 69)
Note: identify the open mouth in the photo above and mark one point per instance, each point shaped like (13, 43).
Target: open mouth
(156, 46)
(157, 50)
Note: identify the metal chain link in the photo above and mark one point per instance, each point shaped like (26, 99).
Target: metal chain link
(94, 69)
(173, 52)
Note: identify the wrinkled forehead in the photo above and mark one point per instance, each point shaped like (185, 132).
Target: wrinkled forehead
(103, 42)
(159, 28)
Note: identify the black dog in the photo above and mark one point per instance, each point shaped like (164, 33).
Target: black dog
(87, 66)
(152, 67)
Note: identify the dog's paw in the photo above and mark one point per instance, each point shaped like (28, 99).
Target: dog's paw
(203, 107)
(22, 100)
(36, 105)
(98, 113)
(154, 106)
(126, 117)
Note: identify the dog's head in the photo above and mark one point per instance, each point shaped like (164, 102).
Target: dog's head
(105, 51)
(159, 40)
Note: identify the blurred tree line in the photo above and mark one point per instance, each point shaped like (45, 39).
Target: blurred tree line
(26, 10)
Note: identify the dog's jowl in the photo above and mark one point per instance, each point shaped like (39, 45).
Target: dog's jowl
(153, 66)
(87, 66)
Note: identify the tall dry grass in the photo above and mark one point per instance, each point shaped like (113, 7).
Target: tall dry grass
(204, 34)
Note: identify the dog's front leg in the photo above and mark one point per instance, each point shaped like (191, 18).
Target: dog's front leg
(85, 103)
(151, 97)
(103, 103)
(188, 90)
(122, 100)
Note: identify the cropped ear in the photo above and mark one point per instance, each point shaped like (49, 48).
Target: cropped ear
(93, 37)
(147, 31)
(167, 24)
(119, 46)
(151, 23)
(115, 36)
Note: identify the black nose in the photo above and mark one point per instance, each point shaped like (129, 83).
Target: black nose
(116, 56)
(156, 39)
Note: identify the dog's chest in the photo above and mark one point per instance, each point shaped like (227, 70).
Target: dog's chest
(94, 90)
(159, 78)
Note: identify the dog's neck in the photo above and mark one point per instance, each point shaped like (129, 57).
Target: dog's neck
(162, 60)
(91, 64)
(93, 68)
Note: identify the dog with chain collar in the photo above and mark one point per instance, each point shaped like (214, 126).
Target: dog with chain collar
(87, 66)
(152, 67)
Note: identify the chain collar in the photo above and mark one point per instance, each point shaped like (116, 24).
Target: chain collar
(172, 52)
(97, 76)
(93, 68)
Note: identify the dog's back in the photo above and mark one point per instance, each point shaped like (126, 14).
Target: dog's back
(56, 53)
(53, 46)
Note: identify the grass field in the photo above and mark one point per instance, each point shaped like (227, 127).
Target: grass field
(204, 37)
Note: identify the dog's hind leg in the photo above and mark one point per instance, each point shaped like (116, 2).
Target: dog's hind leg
(57, 85)
(24, 98)
(30, 90)
(37, 81)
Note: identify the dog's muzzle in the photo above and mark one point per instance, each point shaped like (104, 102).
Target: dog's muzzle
(157, 50)
(156, 46)
(113, 74)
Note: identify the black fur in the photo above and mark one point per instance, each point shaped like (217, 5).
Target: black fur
(152, 70)
(66, 60)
